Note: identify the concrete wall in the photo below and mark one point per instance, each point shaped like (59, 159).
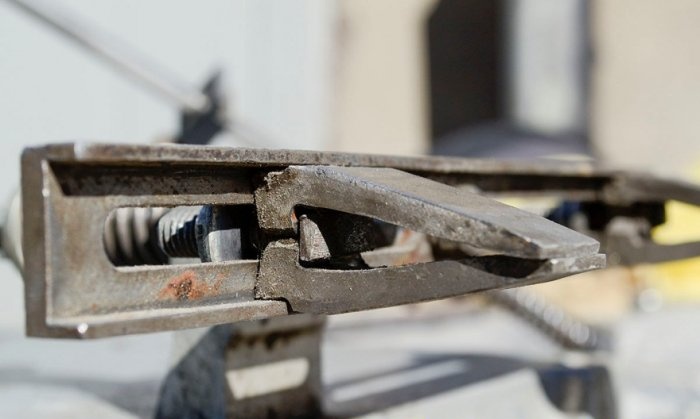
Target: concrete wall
(380, 79)
(646, 109)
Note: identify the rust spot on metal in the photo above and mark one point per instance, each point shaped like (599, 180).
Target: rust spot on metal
(186, 286)
(416, 255)
(404, 236)
(220, 277)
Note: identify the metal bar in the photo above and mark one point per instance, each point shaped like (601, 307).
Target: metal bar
(119, 56)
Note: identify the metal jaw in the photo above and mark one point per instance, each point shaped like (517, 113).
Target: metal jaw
(73, 289)
(524, 248)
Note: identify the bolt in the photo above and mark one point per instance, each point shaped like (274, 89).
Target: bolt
(177, 232)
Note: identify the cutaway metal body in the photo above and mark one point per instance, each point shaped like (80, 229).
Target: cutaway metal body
(73, 289)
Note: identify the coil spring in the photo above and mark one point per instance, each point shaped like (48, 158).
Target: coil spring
(149, 236)
(550, 319)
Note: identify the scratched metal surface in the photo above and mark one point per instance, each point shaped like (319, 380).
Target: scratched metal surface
(69, 191)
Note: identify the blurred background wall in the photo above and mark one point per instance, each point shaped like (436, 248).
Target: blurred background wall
(646, 104)
(381, 98)
(355, 75)
(275, 58)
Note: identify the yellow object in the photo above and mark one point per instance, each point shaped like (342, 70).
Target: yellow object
(677, 281)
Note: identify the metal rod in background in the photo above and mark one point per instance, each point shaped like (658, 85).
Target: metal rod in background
(119, 55)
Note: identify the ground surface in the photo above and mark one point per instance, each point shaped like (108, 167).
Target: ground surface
(655, 364)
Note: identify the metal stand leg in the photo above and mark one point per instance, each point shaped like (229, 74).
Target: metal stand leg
(260, 369)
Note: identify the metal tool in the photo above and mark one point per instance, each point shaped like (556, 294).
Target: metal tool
(254, 200)
(294, 232)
